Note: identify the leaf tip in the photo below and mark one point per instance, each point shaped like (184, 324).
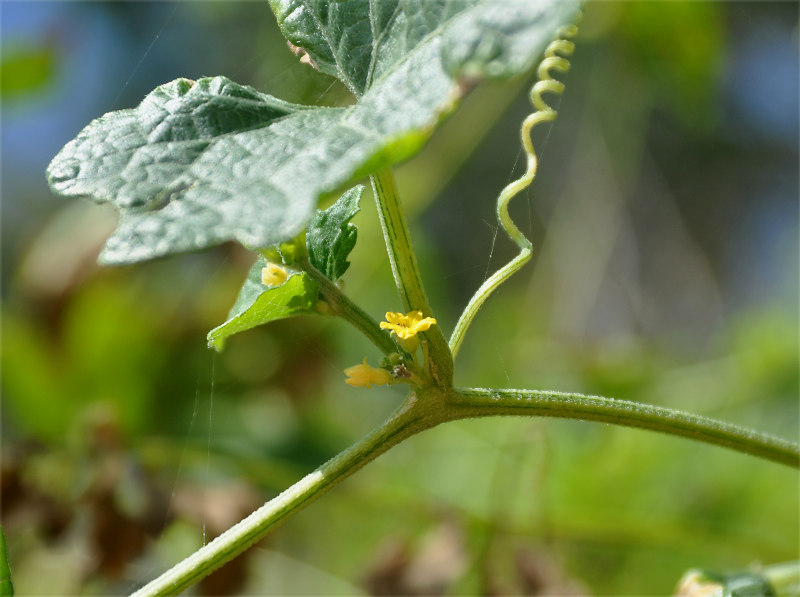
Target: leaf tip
(62, 171)
(216, 340)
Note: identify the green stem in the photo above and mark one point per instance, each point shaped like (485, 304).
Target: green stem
(476, 402)
(433, 407)
(343, 307)
(406, 272)
(407, 421)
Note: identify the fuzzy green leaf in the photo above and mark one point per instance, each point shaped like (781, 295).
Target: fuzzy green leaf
(197, 164)
(258, 304)
(360, 41)
(331, 236)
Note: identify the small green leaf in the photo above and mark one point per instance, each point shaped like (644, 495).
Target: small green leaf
(331, 236)
(258, 304)
(6, 587)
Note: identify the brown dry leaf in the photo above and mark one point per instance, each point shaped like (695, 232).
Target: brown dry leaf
(541, 574)
(303, 55)
(430, 569)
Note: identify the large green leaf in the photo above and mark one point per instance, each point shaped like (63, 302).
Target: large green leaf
(258, 304)
(360, 41)
(200, 163)
(330, 236)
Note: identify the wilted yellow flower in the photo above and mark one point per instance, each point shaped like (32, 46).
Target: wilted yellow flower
(364, 376)
(274, 275)
(406, 326)
(696, 583)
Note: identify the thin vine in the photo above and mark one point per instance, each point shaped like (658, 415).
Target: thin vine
(555, 58)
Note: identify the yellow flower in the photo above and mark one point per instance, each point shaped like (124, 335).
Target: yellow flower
(406, 326)
(363, 376)
(274, 275)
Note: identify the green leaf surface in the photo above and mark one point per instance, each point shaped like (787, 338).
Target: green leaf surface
(360, 41)
(200, 163)
(330, 236)
(258, 304)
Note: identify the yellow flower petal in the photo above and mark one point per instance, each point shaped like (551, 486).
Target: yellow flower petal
(364, 376)
(419, 323)
(395, 318)
(408, 325)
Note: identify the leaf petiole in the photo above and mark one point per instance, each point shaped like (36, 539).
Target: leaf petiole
(342, 306)
(438, 359)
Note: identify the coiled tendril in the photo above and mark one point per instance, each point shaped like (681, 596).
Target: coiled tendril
(555, 59)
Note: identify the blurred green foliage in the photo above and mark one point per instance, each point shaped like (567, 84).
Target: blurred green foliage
(126, 443)
(25, 71)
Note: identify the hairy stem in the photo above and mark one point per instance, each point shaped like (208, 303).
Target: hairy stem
(407, 275)
(476, 402)
(405, 270)
(343, 307)
(407, 421)
(432, 407)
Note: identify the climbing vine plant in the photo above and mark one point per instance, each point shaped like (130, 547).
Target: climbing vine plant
(199, 163)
